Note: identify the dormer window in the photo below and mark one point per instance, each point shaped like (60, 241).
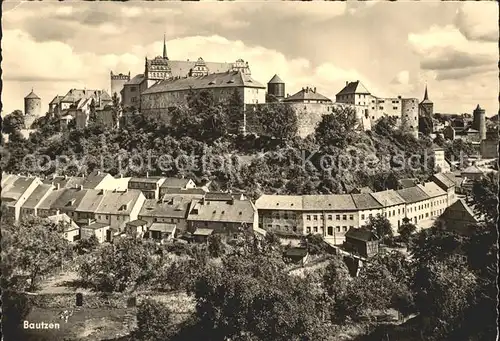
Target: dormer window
(211, 83)
(71, 202)
(123, 208)
(222, 212)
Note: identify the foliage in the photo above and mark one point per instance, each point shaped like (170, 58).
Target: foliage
(30, 249)
(406, 229)
(385, 126)
(255, 297)
(216, 246)
(277, 120)
(13, 122)
(15, 308)
(485, 195)
(337, 128)
(336, 278)
(123, 265)
(154, 321)
(315, 244)
(86, 245)
(380, 225)
(425, 125)
(457, 149)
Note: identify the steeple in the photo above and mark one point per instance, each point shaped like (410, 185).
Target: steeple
(164, 47)
(426, 96)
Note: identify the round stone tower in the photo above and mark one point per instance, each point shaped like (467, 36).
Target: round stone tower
(409, 115)
(276, 88)
(32, 108)
(479, 121)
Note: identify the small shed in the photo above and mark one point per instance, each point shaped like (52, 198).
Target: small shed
(136, 228)
(298, 255)
(201, 235)
(162, 231)
(362, 242)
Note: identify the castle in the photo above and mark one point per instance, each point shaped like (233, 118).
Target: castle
(160, 69)
(32, 108)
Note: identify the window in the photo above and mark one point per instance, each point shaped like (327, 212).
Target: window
(285, 215)
(394, 108)
(338, 228)
(351, 217)
(330, 230)
(107, 217)
(329, 217)
(362, 216)
(278, 227)
(315, 229)
(308, 217)
(308, 229)
(345, 228)
(399, 211)
(344, 217)
(321, 217)
(381, 108)
(393, 212)
(269, 225)
(337, 217)
(315, 217)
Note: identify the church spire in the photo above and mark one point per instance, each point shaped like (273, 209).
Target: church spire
(164, 47)
(426, 96)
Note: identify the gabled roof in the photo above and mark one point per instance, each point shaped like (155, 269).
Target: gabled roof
(145, 180)
(137, 222)
(65, 182)
(175, 183)
(412, 194)
(216, 80)
(361, 234)
(94, 179)
(16, 188)
(354, 88)
(69, 200)
(365, 201)
(182, 68)
(49, 201)
(119, 202)
(203, 232)
(335, 202)
(91, 200)
(63, 218)
(56, 100)
(37, 195)
(136, 80)
(74, 95)
(388, 198)
(307, 94)
(456, 179)
(408, 182)
(459, 211)
(182, 191)
(473, 170)
(239, 211)
(276, 80)
(431, 189)
(443, 180)
(162, 227)
(169, 207)
(279, 202)
(296, 252)
(358, 190)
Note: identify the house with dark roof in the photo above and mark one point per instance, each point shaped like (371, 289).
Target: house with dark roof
(394, 207)
(438, 198)
(16, 191)
(35, 199)
(367, 206)
(472, 173)
(174, 92)
(362, 242)
(171, 185)
(459, 217)
(417, 203)
(201, 235)
(100, 180)
(136, 228)
(46, 208)
(280, 213)
(226, 217)
(68, 202)
(307, 95)
(296, 255)
(447, 185)
(162, 231)
(149, 186)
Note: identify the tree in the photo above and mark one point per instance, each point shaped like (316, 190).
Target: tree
(385, 126)
(13, 122)
(457, 149)
(337, 128)
(277, 120)
(380, 225)
(256, 298)
(315, 244)
(154, 321)
(406, 230)
(215, 246)
(86, 245)
(15, 308)
(92, 112)
(123, 265)
(425, 125)
(30, 249)
(485, 195)
(235, 111)
(336, 278)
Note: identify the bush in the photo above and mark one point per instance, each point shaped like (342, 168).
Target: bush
(15, 309)
(154, 321)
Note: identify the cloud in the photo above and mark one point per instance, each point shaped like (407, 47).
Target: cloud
(478, 20)
(403, 78)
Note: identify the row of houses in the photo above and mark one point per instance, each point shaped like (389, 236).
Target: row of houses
(107, 206)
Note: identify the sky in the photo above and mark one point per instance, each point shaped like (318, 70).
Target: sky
(393, 48)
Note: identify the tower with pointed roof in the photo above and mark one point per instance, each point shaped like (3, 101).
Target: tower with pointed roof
(426, 107)
(276, 89)
(479, 121)
(32, 108)
(165, 47)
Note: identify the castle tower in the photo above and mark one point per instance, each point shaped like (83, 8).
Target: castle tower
(276, 88)
(426, 107)
(479, 121)
(117, 82)
(32, 108)
(409, 115)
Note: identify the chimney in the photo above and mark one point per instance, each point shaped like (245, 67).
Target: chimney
(203, 201)
(98, 172)
(88, 221)
(147, 174)
(314, 90)
(80, 187)
(346, 83)
(58, 186)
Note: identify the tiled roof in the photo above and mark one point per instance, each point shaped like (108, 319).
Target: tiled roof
(473, 169)
(91, 200)
(137, 222)
(361, 234)
(65, 182)
(145, 180)
(56, 100)
(279, 202)
(181, 191)
(49, 201)
(219, 196)
(203, 232)
(181, 68)
(162, 227)
(412, 194)
(354, 88)
(175, 183)
(65, 219)
(456, 179)
(456, 212)
(307, 94)
(94, 179)
(336, 202)
(35, 197)
(431, 189)
(409, 182)
(388, 198)
(136, 80)
(16, 188)
(215, 80)
(296, 252)
(8, 179)
(365, 201)
(276, 80)
(119, 202)
(75, 95)
(443, 180)
(95, 226)
(32, 95)
(170, 207)
(239, 211)
(69, 200)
